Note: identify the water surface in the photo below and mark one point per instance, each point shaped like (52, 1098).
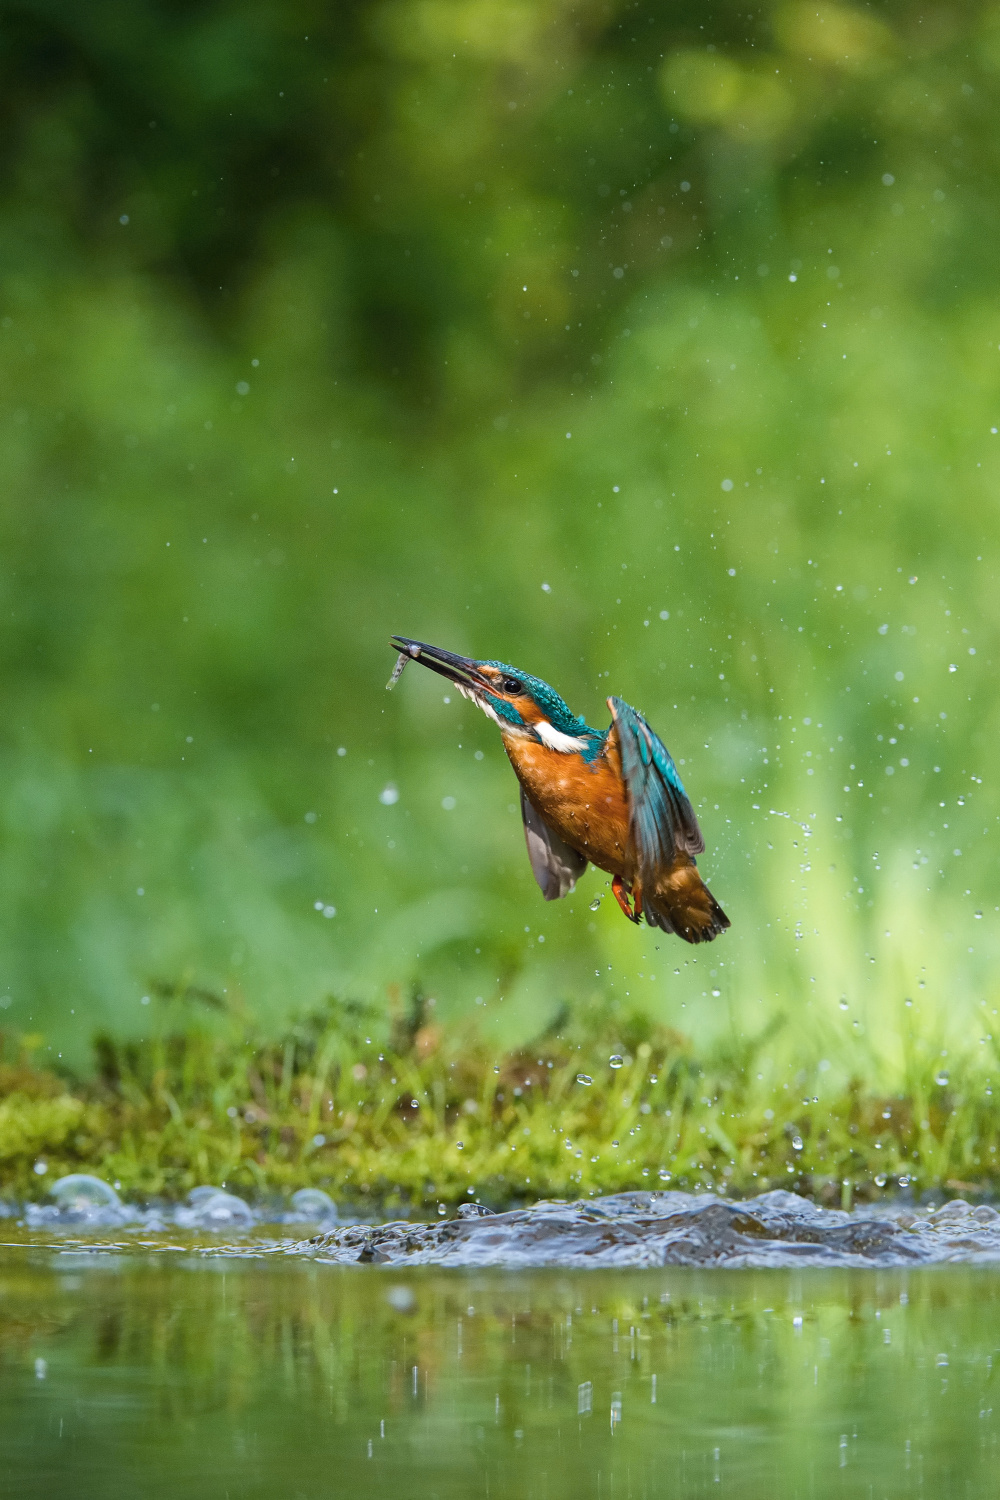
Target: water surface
(169, 1364)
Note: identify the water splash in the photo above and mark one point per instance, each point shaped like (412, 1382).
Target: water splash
(673, 1228)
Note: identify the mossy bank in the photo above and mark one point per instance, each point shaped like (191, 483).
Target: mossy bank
(410, 1115)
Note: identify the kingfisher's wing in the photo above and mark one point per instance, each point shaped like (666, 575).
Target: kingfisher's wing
(556, 866)
(662, 819)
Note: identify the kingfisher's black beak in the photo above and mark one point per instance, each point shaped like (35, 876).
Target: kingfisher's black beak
(462, 670)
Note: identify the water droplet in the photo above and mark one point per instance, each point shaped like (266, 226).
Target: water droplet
(843, 1004)
(941, 1078)
(616, 1061)
(596, 903)
(583, 1078)
(716, 993)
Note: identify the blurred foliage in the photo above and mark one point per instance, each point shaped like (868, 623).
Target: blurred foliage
(652, 348)
(417, 1116)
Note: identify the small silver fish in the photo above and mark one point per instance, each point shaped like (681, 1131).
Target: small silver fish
(401, 661)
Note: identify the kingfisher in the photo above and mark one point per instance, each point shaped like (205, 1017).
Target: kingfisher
(611, 798)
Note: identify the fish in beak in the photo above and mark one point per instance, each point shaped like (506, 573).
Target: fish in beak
(463, 671)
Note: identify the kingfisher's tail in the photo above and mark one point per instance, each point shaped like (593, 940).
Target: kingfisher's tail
(682, 903)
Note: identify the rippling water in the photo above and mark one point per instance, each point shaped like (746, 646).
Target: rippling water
(629, 1229)
(645, 1345)
(151, 1365)
(678, 1229)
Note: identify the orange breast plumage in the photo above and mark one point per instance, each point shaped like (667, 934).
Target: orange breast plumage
(585, 803)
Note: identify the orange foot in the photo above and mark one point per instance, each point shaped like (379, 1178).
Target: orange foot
(621, 896)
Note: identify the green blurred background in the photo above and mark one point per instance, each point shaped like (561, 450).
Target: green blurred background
(653, 348)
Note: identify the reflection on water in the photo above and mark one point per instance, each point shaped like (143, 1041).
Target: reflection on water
(135, 1370)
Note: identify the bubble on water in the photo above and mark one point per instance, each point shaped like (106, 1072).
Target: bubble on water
(79, 1198)
(213, 1208)
(616, 1061)
(941, 1078)
(584, 1078)
(79, 1192)
(202, 1194)
(313, 1203)
(596, 903)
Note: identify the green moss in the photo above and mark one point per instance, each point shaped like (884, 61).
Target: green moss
(427, 1117)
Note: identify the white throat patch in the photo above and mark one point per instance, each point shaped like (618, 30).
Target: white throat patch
(566, 744)
(514, 730)
(553, 738)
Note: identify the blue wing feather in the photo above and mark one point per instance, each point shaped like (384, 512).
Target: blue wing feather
(663, 820)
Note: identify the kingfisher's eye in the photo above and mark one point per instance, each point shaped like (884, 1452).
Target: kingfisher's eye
(511, 685)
